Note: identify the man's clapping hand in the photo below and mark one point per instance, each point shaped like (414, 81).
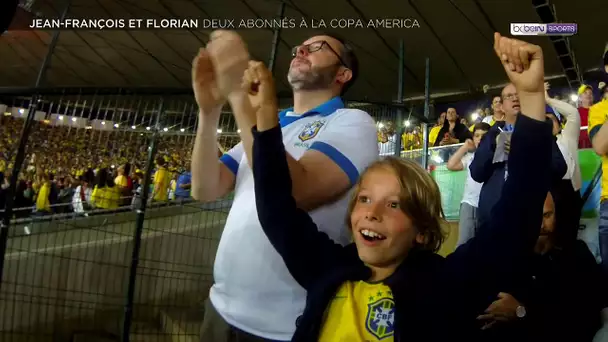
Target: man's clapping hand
(230, 59)
(206, 92)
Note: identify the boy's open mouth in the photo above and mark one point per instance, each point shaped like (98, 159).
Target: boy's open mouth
(370, 235)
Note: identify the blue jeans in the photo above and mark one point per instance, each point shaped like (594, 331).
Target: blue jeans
(603, 234)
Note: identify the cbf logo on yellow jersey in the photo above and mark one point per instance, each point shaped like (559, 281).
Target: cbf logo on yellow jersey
(380, 320)
(311, 130)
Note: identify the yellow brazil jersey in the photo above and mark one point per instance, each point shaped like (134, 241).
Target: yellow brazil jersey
(360, 311)
(598, 114)
(161, 181)
(106, 198)
(433, 134)
(410, 141)
(42, 201)
(121, 181)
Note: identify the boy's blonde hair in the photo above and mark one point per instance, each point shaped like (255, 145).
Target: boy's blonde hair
(420, 199)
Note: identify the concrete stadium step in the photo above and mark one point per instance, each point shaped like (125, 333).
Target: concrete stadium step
(24, 337)
(147, 332)
(93, 338)
(140, 332)
(183, 325)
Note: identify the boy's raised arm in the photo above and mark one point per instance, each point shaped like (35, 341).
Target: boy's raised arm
(307, 252)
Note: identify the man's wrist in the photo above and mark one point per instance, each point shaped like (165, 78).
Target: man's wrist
(238, 95)
(213, 113)
(209, 119)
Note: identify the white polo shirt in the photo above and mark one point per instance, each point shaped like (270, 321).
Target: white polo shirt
(253, 289)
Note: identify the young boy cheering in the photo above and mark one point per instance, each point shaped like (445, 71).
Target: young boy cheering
(460, 161)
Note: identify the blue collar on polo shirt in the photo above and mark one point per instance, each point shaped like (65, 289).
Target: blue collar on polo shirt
(287, 116)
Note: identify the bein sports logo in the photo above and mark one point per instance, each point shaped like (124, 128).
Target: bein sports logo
(556, 29)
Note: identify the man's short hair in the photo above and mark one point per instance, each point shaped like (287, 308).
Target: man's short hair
(347, 54)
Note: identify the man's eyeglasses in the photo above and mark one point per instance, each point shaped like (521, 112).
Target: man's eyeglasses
(510, 97)
(316, 46)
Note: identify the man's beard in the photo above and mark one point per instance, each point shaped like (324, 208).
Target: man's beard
(313, 79)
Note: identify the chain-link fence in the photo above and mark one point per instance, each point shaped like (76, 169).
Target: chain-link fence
(102, 229)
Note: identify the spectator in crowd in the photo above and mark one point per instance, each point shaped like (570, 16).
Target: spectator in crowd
(434, 132)
(389, 283)
(497, 112)
(254, 296)
(567, 142)
(160, 181)
(489, 167)
(138, 180)
(388, 139)
(598, 133)
(561, 293)
(45, 195)
(184, 182)
(585, 100)
(460, 160)
(105, 195)
(81, 200)
(66, 191)
(24, 199)
(411, 138)
(124, 182)
(453, 131)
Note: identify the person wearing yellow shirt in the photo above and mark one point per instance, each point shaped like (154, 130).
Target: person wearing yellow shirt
(43, 204)
(435, 130)
(161, 181)
(124, 183)
(598, 134)
(106, 195)
(411, 140)
(497, 113)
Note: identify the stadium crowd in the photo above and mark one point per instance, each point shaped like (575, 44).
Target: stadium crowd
(301, 273)
(80, 170)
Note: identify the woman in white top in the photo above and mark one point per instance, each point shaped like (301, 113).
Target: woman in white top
(460, 160)
(81, 200)
(567, 138)
(571, 184)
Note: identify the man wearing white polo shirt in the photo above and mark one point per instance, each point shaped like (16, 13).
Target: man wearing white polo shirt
(254, 297)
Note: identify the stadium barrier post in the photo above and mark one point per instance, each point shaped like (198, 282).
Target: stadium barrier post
(276, 35)
(400, 124)
(139, 226)
(25, 133)
(427, 102)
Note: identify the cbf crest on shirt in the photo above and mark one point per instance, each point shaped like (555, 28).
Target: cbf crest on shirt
(311, 130)
(360, 311)
(380, 318)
